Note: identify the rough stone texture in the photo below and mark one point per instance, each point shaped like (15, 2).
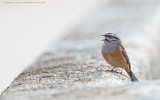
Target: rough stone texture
(75, 69)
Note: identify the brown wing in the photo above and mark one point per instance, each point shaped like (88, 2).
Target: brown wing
(125, 56)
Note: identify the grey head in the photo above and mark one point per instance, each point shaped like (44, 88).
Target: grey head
(110, 37)
(110, 42)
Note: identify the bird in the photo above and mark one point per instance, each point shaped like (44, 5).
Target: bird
(115, 54)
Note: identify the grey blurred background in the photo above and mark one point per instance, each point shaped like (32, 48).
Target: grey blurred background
(27, 30)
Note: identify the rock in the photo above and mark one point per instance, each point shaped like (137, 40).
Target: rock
(74, 68)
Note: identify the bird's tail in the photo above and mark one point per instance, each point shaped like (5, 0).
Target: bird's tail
(132, 76)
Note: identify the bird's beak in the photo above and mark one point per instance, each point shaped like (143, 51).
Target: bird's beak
(103, 40)
(102, 35)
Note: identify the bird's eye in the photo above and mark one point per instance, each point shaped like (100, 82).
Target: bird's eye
(110, 36)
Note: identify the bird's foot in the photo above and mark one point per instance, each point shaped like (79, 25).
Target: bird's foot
(121, 70)
(112, 70)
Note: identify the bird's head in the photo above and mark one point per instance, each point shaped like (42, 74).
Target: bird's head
(110, 37)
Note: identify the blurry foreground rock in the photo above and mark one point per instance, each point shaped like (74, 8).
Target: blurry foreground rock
(75, 69)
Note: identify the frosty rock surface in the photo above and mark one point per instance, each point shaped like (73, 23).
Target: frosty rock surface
(75, 69)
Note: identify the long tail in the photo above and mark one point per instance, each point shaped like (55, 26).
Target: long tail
(132, 76)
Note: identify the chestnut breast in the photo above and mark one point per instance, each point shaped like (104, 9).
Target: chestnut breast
(115, 57)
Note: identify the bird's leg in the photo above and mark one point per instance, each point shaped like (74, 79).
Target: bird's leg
(121, 70)
(112, 70)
